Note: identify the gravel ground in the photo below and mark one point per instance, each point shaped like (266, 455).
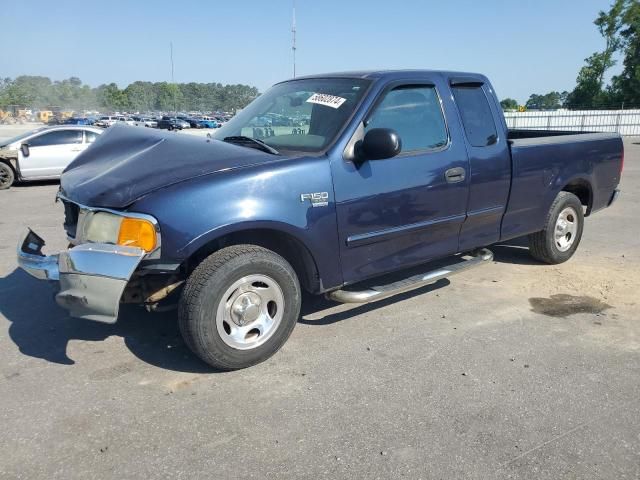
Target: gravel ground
(513, 370)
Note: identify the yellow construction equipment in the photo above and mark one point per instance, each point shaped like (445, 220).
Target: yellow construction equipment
(44, 115)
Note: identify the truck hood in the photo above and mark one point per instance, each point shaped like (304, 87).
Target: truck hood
(126, 163)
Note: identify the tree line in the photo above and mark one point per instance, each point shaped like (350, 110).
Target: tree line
(41, 93)
(620, 29)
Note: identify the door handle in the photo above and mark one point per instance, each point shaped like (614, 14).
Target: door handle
(455, 175)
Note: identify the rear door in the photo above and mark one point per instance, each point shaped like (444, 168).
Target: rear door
(402, 211)
(489, 161)
(50, 153)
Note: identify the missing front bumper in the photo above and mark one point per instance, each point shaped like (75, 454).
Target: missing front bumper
(91, 276)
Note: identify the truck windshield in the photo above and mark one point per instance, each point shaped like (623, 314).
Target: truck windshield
(300, 115)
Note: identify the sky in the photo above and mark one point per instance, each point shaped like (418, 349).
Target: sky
(523, 46)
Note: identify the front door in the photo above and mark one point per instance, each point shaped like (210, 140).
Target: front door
(405, 210)
(50, 153)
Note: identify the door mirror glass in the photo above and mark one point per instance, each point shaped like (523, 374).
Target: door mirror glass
(414, 112)
(24, 148)
(380, 143)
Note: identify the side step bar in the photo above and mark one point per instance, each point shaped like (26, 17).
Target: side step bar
(373, 294)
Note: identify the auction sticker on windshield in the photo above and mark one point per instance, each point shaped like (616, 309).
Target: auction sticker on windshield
(326, 100)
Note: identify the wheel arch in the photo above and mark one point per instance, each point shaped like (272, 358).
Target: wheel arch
(284, 243)
(581, 188)
(12, 163)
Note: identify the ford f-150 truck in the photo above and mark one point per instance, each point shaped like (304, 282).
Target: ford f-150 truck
(381, 173)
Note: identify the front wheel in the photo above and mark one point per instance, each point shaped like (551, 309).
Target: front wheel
(239, 306)
(560, 238)
(7, 176)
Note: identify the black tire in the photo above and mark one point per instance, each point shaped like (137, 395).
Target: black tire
(543, 245)
(7, 176)
(202, 294)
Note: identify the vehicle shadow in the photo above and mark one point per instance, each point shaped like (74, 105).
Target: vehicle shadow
(514, 251)
(43, 330)
(34, 183)
(314, 304)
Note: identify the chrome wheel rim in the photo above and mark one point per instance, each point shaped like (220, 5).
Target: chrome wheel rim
(566, 229)
(250, 312)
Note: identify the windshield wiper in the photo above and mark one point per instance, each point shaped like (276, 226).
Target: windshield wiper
(251, 143)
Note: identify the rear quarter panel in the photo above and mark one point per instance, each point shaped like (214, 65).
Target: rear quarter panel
(543, 166)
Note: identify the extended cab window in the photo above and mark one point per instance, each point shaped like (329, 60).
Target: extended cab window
(59, 137)
(477, 118)
(414, 113)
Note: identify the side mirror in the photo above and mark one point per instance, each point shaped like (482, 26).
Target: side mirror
(24, 148)
(380, 143)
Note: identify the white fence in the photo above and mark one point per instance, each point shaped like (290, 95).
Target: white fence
(624, 122)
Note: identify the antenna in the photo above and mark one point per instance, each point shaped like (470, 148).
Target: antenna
(171, 58)
(293, 38)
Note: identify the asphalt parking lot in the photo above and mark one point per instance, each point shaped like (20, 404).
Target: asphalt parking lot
(513, 370)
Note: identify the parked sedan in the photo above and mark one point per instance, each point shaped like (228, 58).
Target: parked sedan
(193, 122)
(126, 120)
(78, 121)
(44, 153)
(208, 124)
(106, 121)
(172, 123)
(144, 122)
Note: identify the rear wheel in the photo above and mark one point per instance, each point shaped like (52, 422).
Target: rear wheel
(560, 238)
(7, 176)
(239, 306)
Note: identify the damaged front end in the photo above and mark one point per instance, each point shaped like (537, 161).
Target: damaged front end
(113, 258)
(91, 276)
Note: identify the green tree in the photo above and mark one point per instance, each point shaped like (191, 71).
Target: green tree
(111, 98)
(626, 86)
(548, 101)
(40, 92)
(509, 104)
(141, 96)
(169, 97)
(620, 27)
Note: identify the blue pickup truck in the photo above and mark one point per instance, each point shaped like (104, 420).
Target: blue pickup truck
(376, 175)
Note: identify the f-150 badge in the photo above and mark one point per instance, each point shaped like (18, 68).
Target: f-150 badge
(318, 199)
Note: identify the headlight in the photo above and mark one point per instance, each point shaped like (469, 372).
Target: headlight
(104, 227)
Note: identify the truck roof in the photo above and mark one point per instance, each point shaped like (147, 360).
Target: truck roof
(389, 74)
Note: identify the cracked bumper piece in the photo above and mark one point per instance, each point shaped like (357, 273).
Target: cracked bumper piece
(91, 276)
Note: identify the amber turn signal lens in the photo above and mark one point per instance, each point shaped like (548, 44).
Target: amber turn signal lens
(135, 232)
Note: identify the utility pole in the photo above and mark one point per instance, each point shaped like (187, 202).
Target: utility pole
(293, 38)
(175, 108)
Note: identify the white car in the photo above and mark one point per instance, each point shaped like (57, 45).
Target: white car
(126, 120)
(44, 153)
(106, 121)
(145, 122)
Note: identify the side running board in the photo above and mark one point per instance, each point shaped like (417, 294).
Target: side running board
(378, 292)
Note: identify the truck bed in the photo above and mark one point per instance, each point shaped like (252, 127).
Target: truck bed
(546, 161)
(522, 134)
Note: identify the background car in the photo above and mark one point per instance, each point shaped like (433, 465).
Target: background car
(44, 153)
(193, 122)
(172, 123)
(78, 121)
(208, 123)
(127, 120)
(144, 121)
(106, 121)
